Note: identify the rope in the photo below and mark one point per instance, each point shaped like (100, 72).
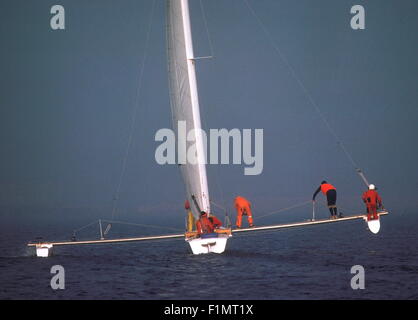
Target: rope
(134, 115)
(285, 209)
(306, 92)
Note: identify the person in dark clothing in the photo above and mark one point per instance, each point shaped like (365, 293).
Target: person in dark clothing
(331, 193)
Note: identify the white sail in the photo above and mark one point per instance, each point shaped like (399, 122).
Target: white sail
(184, 100)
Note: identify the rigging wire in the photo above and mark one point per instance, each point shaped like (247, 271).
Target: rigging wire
(218, 205)
(83, 227)
(134, 114)
(306, 92)
(207, 30)
(124, 223)
(301, 204)
(141, 225)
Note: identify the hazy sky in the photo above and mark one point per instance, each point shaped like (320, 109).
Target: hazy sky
(67, 99)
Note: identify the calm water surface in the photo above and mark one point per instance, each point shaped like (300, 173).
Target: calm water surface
(313, 263)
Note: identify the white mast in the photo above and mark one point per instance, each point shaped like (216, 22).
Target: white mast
(185, 100)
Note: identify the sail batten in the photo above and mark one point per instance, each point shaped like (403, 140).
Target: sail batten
(185, 101)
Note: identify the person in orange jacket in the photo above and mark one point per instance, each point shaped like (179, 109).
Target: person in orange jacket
(203, 225)
(243, 207)
(331, 193)
(215, 222)
(371, 198)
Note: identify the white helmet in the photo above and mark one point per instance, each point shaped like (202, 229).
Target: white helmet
(372, 187)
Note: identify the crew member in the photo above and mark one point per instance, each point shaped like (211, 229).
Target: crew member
(203, 225)
(215, 222)
(331, 193)
(371, 198)
(243, 207)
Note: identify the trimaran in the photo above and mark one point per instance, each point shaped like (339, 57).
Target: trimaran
(185, 107)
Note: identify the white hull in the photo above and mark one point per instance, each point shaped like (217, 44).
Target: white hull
(374, 225)
(44, 250)
(208, 245)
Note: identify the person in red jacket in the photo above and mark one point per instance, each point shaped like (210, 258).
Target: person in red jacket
(243, 207)
(371, 198)
(215, 222)
(331, 193)
(203, 225)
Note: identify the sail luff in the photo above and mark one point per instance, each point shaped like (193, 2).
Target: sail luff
(185, 101)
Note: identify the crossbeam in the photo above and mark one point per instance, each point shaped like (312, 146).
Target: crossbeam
(182, 235)
(62, 243)
(306, 223)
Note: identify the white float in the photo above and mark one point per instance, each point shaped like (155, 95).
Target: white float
(44, 250)
(374, 225)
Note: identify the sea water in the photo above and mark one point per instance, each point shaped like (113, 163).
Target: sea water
(301, 263)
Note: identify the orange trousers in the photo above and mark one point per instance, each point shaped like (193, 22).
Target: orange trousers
(244, 211)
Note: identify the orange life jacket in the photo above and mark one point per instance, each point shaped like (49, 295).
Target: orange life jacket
(215, 222)
(203, 225)
(325, 187)
(241, 202)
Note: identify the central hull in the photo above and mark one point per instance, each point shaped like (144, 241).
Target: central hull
(210, 243)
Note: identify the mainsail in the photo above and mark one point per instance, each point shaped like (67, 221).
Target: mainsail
(185, 103)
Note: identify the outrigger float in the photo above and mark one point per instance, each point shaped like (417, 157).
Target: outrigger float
(208, 243)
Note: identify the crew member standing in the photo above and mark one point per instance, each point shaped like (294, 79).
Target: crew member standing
(331, 193)
(203, 225)
(243, 207)
(371, 198)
